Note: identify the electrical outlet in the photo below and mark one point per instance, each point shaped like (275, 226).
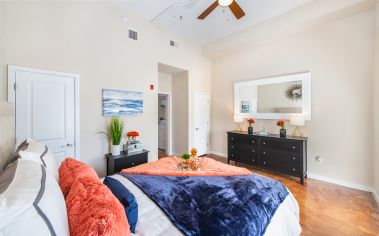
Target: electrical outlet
(318, 159)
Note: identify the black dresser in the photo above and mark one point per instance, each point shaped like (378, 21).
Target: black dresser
(125, 160)
(284, 155)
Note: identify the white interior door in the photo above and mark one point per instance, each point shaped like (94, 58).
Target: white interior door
(45, 110)
(201, 122)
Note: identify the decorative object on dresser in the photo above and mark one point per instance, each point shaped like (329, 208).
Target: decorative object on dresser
(284, 155)
(125, 160)
(250, 129)
(238, 119)
(282, 131)
(133, 145)
(115, 134)
(297, 121)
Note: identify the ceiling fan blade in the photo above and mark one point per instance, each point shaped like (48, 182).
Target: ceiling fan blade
(208, 11)
(237, 10)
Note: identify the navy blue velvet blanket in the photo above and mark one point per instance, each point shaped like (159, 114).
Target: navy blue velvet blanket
(234, 205)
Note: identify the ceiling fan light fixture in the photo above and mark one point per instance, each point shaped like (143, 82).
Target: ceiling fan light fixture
(225, 3)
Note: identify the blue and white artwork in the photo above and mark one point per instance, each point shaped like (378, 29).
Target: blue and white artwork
(118, 103)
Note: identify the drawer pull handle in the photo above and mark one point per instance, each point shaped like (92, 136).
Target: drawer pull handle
(253, 150)
(232, 147)
(232, 155)
(293, 158)
(253, 160)
(293, 147)
(264, 163)
(133, 163)
(294, 169)
(231, 138)
(264, 143)
(264, 153)
(253, 141)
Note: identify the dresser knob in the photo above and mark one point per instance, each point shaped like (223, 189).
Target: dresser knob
(294, 169)
(264, 153)
(253, 141)
(232, 155)
(133, 163)
(293, 158)
(253, 150)
(293, 147)
(253, 160)
(264, 143)
(232, 147)
(264, 163)
(231, 138)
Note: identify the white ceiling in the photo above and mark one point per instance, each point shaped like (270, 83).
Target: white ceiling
(217, 25)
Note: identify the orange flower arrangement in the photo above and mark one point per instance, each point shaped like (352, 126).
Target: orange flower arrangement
(133, 134)
(251, 121)
(280, 123)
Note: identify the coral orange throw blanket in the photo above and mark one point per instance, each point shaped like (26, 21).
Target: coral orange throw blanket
(168, 167)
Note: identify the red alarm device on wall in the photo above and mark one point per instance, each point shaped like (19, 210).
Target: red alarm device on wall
(151, 86)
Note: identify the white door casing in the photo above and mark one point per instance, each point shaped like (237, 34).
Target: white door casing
(201, 122)
(168, 128)
(46, 108)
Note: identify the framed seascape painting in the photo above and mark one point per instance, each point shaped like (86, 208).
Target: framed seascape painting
(122, 103)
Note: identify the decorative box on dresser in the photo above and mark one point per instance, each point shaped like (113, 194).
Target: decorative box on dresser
(270, 152)
(125, 160)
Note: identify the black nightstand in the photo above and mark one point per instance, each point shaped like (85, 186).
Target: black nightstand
(125, 160)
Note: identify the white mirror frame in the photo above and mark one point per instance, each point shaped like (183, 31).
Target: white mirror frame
(305, 78)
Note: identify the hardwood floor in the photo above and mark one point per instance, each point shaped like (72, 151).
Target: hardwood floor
(329, 209)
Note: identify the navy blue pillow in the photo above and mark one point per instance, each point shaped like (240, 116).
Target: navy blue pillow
(126, 198)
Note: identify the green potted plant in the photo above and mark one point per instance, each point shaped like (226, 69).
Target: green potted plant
(115, 134)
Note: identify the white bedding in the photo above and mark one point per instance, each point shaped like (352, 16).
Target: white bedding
(153, 222)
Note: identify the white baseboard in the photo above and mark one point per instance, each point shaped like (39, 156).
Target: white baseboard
(218, 154)
(341, 182)
(376, 197)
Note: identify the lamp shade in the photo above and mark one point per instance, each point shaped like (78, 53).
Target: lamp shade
(238, 119)
(297, 121)
(225, 3)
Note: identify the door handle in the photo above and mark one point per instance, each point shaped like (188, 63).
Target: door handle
(67, 145)
(197, 128)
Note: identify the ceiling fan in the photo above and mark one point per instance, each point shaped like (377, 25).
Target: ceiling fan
(232, 4)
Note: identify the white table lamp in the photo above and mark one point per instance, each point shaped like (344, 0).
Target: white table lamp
(297, 121)
(238, 119)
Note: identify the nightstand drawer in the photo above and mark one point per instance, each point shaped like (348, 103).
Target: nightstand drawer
(127, 162)
(117, 163)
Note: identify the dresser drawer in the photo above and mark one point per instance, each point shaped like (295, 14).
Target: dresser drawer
(285, 145)
(282, 161)
(244, 153)
(237, 138)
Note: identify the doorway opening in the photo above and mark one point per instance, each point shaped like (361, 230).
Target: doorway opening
(172, 110)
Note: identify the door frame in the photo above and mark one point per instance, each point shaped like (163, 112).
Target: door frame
(12, 69)
(209, 116)
(169, 122)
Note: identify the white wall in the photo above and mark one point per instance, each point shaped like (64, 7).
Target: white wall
(339, 55)
(376, 99)
(180, 102)
(2, 82)
(89, 38)
(164, 82)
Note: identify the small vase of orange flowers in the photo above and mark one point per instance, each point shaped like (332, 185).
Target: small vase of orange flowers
(250, 129)
(133, 135)
(281, 124)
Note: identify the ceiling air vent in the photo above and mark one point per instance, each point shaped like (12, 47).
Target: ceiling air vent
(132, 35)
(173, 43)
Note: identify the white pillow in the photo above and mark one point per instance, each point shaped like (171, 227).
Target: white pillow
(33, 203)
(39, 152)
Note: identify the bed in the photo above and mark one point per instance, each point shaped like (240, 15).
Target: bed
(152, 220)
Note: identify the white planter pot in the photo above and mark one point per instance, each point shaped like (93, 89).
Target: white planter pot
(116, 150)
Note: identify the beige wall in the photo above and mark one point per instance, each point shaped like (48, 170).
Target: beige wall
(376, 99)
(89, 38)
(339, 55)
(164, 82)
(2, 82)
(180, 130)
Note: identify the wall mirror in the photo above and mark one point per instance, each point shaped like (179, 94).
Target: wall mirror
(274, 98)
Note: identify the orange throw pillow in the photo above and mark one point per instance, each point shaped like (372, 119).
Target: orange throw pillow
(71, 169)
(93, 210)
